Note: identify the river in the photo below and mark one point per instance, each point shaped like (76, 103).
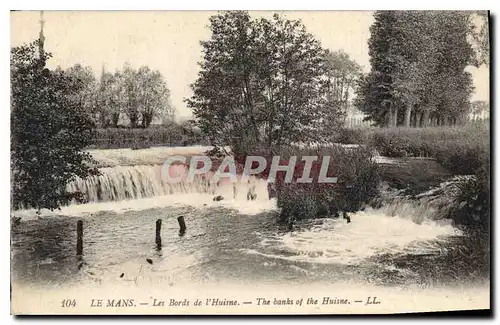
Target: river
(233, 242)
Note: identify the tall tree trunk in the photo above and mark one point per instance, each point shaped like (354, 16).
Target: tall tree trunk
(388, 118)
(408, 115)
(395, 117)
(115, 119)
(418, 118)
(425, 119)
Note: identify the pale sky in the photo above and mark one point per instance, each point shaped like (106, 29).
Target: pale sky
(169, 41)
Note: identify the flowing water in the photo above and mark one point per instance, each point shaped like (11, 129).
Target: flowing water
(228, 241)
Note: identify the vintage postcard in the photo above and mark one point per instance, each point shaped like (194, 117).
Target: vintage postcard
(249, 162)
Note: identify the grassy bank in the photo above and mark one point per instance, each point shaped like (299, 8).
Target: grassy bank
(461, 150)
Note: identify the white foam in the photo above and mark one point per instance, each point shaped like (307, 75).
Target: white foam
(176, 200)
(369, 234)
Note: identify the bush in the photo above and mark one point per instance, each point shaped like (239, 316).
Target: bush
(462, 158)
(472, 201)
(357, 185)
(352, 135)
(298, 203)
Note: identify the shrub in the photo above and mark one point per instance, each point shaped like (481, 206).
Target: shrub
(357, 184)
(352, 135)
(472, 201)
(298, 203)
(462, 158)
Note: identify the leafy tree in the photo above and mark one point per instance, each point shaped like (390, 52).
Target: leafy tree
(452, 84)
(49, 129)
(293, 84)
(376, 98)
(154, 96)
(481, 37)
(262, 83)
(87, 96)
(224, 93)
(141, 95)
(342, 75)
(110, 99)
(131, 92)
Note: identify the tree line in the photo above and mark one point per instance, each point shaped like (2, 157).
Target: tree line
(132, 97)
(268, 82)
(418, 61)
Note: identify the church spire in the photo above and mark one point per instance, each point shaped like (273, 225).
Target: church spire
(41, 37)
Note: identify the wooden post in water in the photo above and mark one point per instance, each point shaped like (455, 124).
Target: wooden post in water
(79, 237)
(182, 225)
(158, 234)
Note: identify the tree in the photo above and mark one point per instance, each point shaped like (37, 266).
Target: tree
(224, 93)
(413, 65)
(293, 83)
(378, 93)
(481, 37)
(153, 97)
(110, 99)
(453, 85)
(142, 93)
(131, 92)
(87, 96)
(49, 129)
(262, 83)
(342, 74)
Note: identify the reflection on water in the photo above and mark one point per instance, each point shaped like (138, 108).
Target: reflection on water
(44, 250)
(220, 244)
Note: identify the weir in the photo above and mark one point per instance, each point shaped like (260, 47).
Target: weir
(139, 185)
(124, 183)
(144, 181)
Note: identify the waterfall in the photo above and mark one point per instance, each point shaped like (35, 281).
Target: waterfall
(144, 181)
(433, 204)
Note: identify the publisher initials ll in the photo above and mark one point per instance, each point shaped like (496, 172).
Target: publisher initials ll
(372, 301)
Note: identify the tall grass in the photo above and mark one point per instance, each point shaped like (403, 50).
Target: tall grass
(462, 150)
